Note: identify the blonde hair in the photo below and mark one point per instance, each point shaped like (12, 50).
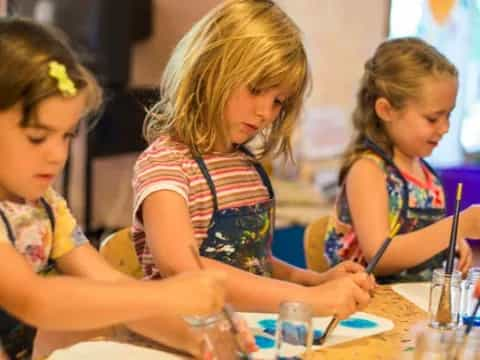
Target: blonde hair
(240, 42)
(26, 49)
(396, 72)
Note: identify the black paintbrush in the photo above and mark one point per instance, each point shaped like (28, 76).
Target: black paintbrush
(444, 311)
(227, 311)
(453, 233)
(369, 270)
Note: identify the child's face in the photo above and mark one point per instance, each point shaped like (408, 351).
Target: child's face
(418, 128)
(247, 113)
(31, 157)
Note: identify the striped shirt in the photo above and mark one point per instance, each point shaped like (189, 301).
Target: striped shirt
(169, 165)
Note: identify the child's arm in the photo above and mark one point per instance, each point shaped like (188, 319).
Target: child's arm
(168, 328)
(288, 272)
(170, 234)
(368, 202)
(67, 303)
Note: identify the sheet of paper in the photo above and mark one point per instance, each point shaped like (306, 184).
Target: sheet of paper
(101, 350)
(417, 293)
(359, 325)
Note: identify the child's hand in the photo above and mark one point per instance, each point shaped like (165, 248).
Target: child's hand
(344, 268)
(466, 256)
(198, 292)
(341, 297)
(471, 216)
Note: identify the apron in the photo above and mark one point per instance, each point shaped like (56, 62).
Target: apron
(411, 219)
(241, 236)
(16, 336)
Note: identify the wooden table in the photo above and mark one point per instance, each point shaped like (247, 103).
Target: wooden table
(394, 344)
(397, 343)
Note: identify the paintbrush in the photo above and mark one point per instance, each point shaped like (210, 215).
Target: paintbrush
(444, 311)
(227, 310)
(474, 315)
(369, 270)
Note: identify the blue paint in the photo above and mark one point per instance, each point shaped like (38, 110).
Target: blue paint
(317, 335)
(268, 323)
(474, 321)
(358, 323)
(264, 342)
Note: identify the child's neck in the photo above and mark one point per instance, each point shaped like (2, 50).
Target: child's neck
(409, 164)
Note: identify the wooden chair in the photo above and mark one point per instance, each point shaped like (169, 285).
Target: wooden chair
(119, 251)
(314, 245)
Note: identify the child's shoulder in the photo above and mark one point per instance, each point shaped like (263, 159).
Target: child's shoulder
(367, 166)
(165, 149)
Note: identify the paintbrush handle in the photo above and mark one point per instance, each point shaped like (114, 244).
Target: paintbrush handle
(472, 319)
(453, 233)
(373, 263)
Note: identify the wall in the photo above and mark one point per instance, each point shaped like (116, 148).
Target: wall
(171, 19)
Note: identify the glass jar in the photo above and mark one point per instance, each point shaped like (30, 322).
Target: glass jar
(219, 340)
(444, 301)
(435, 344)
(294, 333)
(468, 297)
(469, 346)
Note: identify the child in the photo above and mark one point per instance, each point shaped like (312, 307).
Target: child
(406, 95)
(241, 71)
(44, 93)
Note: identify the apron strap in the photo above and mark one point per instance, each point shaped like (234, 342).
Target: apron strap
(203, 168)
(10, 234)
(379, 151)
(261, 171)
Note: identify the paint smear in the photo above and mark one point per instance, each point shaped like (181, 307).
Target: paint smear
(264, 342)
(358, 323)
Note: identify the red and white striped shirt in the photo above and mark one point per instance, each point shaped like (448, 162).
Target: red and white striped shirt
(169, 165)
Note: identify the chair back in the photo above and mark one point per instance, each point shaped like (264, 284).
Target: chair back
(119, 251)
(314, 244)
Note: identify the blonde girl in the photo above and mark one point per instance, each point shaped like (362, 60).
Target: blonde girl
(240, 72)
(406, 95)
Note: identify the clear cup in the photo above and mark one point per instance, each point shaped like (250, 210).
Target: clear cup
(294, 333)
(444, 301)
(468, 346)
(468, 298)
(219, 340)
(435, 344)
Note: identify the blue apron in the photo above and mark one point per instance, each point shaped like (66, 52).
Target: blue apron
(241, 236)
(412, 219)
(16, 336)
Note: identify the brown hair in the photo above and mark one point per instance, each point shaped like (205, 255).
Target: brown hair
(396, 72)
(240, 42)
(26, 49)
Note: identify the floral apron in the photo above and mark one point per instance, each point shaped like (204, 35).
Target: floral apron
(241, 236)
(16, 336)
(411, 219)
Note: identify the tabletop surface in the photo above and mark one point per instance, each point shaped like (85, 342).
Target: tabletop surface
(397, 343)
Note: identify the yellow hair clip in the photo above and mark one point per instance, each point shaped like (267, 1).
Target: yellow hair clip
(64, 83)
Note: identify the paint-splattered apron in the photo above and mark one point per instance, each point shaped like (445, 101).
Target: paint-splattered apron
(16, 336)
(241, 236)
(411, 219)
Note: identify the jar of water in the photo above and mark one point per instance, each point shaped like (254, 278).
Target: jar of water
(219, 340)
(435, 344)
(469, 346)
(445, 296)
(468, 298)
